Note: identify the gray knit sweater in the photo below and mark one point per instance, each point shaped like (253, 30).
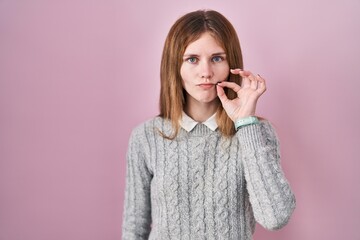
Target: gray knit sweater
(202, 185)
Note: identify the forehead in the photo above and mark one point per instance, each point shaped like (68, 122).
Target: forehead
(205, 43)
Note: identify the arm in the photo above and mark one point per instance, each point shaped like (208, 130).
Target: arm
(137, 206)
(269, 192)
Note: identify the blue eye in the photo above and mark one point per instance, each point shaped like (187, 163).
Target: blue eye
(192, 60)
(217, 59)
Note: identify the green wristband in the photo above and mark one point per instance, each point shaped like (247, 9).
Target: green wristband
(245, 121)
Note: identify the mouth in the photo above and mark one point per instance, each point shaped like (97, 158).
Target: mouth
(206, 85)
(209, 84)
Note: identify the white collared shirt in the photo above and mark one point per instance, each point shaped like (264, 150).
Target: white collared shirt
(188, 123)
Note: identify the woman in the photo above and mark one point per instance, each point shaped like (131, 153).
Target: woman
(206, 167)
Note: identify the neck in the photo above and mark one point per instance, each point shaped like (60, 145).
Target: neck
(200, 112)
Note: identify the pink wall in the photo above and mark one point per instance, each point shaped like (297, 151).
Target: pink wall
(77, 76)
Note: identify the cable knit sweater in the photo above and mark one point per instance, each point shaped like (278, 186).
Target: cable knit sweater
(202, 185)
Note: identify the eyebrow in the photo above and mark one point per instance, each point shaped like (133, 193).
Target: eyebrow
(196, 55)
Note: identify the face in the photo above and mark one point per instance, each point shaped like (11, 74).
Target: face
(204, 64)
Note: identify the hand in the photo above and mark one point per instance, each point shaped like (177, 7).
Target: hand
(252, 87)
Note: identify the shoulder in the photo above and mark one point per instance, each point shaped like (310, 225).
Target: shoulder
(150, 128)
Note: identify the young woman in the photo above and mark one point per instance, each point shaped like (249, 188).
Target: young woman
(206, 167)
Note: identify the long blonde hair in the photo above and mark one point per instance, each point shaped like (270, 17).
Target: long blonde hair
(186, 30)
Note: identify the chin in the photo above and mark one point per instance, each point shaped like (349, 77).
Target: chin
(208, 100)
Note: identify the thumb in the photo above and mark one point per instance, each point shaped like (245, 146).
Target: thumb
(221, 94)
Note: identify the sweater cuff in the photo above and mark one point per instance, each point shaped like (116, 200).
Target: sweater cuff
(251, 137)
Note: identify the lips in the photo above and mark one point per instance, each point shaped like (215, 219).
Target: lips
(206, 85)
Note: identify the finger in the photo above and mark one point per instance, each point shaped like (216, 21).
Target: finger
(241, 72)
(235, 70)
(261, 84)
(253, 81)
(258, 77)
(253, 84)
(245, 83)
(252, 76)
(245, 73)
(231, 85)
(221, 94)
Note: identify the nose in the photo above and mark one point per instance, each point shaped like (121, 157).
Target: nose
(206, 70)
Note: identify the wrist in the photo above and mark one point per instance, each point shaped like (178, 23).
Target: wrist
(245, 121)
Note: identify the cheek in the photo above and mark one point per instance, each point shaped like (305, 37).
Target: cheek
(182, 71)
(185, 73)
(183, 76)
(223, 71)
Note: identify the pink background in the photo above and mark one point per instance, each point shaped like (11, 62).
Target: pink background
(76, 76)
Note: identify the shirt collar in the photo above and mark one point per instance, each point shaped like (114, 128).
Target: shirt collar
(188, 123)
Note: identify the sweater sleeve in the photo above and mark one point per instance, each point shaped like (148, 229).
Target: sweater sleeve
(270, 194)
(137, 204)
